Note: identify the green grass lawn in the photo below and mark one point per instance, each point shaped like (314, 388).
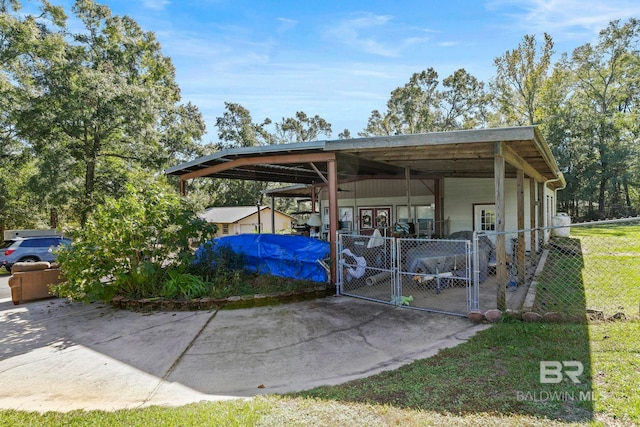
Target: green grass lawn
(493, 379)
(596, 269)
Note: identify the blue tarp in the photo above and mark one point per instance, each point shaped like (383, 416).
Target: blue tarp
(279, 255)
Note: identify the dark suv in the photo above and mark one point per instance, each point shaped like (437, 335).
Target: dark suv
(29, 249)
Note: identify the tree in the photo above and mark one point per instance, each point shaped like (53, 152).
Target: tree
(109, 104)
(302, 128)
(520, 77)
(414, 108)
(559, 117)
(425, 105)
(589, 107)
(24, 42)
(606, 98)
(464, 102)
(345, 134)
(236, 128)
(131, 244)
(378, 124)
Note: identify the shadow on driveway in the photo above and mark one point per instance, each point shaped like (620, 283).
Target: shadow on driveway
(60, 356)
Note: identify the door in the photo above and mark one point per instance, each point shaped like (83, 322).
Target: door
(484, 219)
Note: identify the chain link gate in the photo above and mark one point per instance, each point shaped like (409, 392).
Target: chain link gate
(367, 267)
(427, 274)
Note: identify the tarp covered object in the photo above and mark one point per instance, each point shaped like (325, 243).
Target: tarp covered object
(279, 255)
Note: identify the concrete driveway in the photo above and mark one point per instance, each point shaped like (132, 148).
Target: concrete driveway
(60, 356)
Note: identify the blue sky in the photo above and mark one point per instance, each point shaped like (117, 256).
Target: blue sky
(341, 59)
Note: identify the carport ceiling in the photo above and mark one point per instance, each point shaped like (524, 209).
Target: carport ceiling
(261, 168)
(459, 153)
(468, 153)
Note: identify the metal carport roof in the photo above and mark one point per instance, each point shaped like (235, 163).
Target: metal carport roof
(464, 153)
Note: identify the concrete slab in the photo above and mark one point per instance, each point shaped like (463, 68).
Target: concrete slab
(55, 355)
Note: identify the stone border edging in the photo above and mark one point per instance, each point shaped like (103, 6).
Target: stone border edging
(530, 298)
(230, 303)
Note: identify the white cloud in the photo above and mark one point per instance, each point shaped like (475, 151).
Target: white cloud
(286, 24)
(565, 19)
(350, 32)
(155, 4)
(379, 35)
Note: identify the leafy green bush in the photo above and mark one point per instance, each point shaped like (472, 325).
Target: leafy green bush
(130, 244)
(183, 286)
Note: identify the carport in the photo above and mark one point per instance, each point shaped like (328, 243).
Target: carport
(517, 152)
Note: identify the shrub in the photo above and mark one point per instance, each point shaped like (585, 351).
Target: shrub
(183, 286)
(129, 245)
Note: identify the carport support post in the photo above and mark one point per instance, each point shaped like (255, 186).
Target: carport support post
(273, 215)
(532, 218)
(259, 228)
(540, 215)
(501, 253)
(407, 179)
(521, 243)
(439, 224)
(332, 172)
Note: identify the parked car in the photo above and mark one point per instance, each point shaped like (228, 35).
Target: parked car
(30, 249)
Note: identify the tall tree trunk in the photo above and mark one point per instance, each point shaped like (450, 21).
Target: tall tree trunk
(604, 169)
(89, 183)
(91, 153)
(601, 194)
(627, 196)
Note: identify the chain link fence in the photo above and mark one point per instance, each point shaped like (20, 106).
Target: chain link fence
(568, 272)
(575, 271)
(594, 271)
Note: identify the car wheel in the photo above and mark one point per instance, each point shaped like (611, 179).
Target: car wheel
(29, 259)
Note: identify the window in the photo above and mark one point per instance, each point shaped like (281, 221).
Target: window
(40, 243)
(488, 221)
(485, 217)
(225, 228)
(421, 214)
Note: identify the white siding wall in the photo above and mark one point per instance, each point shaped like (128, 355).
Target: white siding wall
(460, 194)
(380, 193)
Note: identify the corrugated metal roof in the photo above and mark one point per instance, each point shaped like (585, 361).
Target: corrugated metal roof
(462, 153)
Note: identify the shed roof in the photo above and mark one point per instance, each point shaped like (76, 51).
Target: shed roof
(232, 214)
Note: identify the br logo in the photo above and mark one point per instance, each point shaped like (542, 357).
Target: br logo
(553, 371)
